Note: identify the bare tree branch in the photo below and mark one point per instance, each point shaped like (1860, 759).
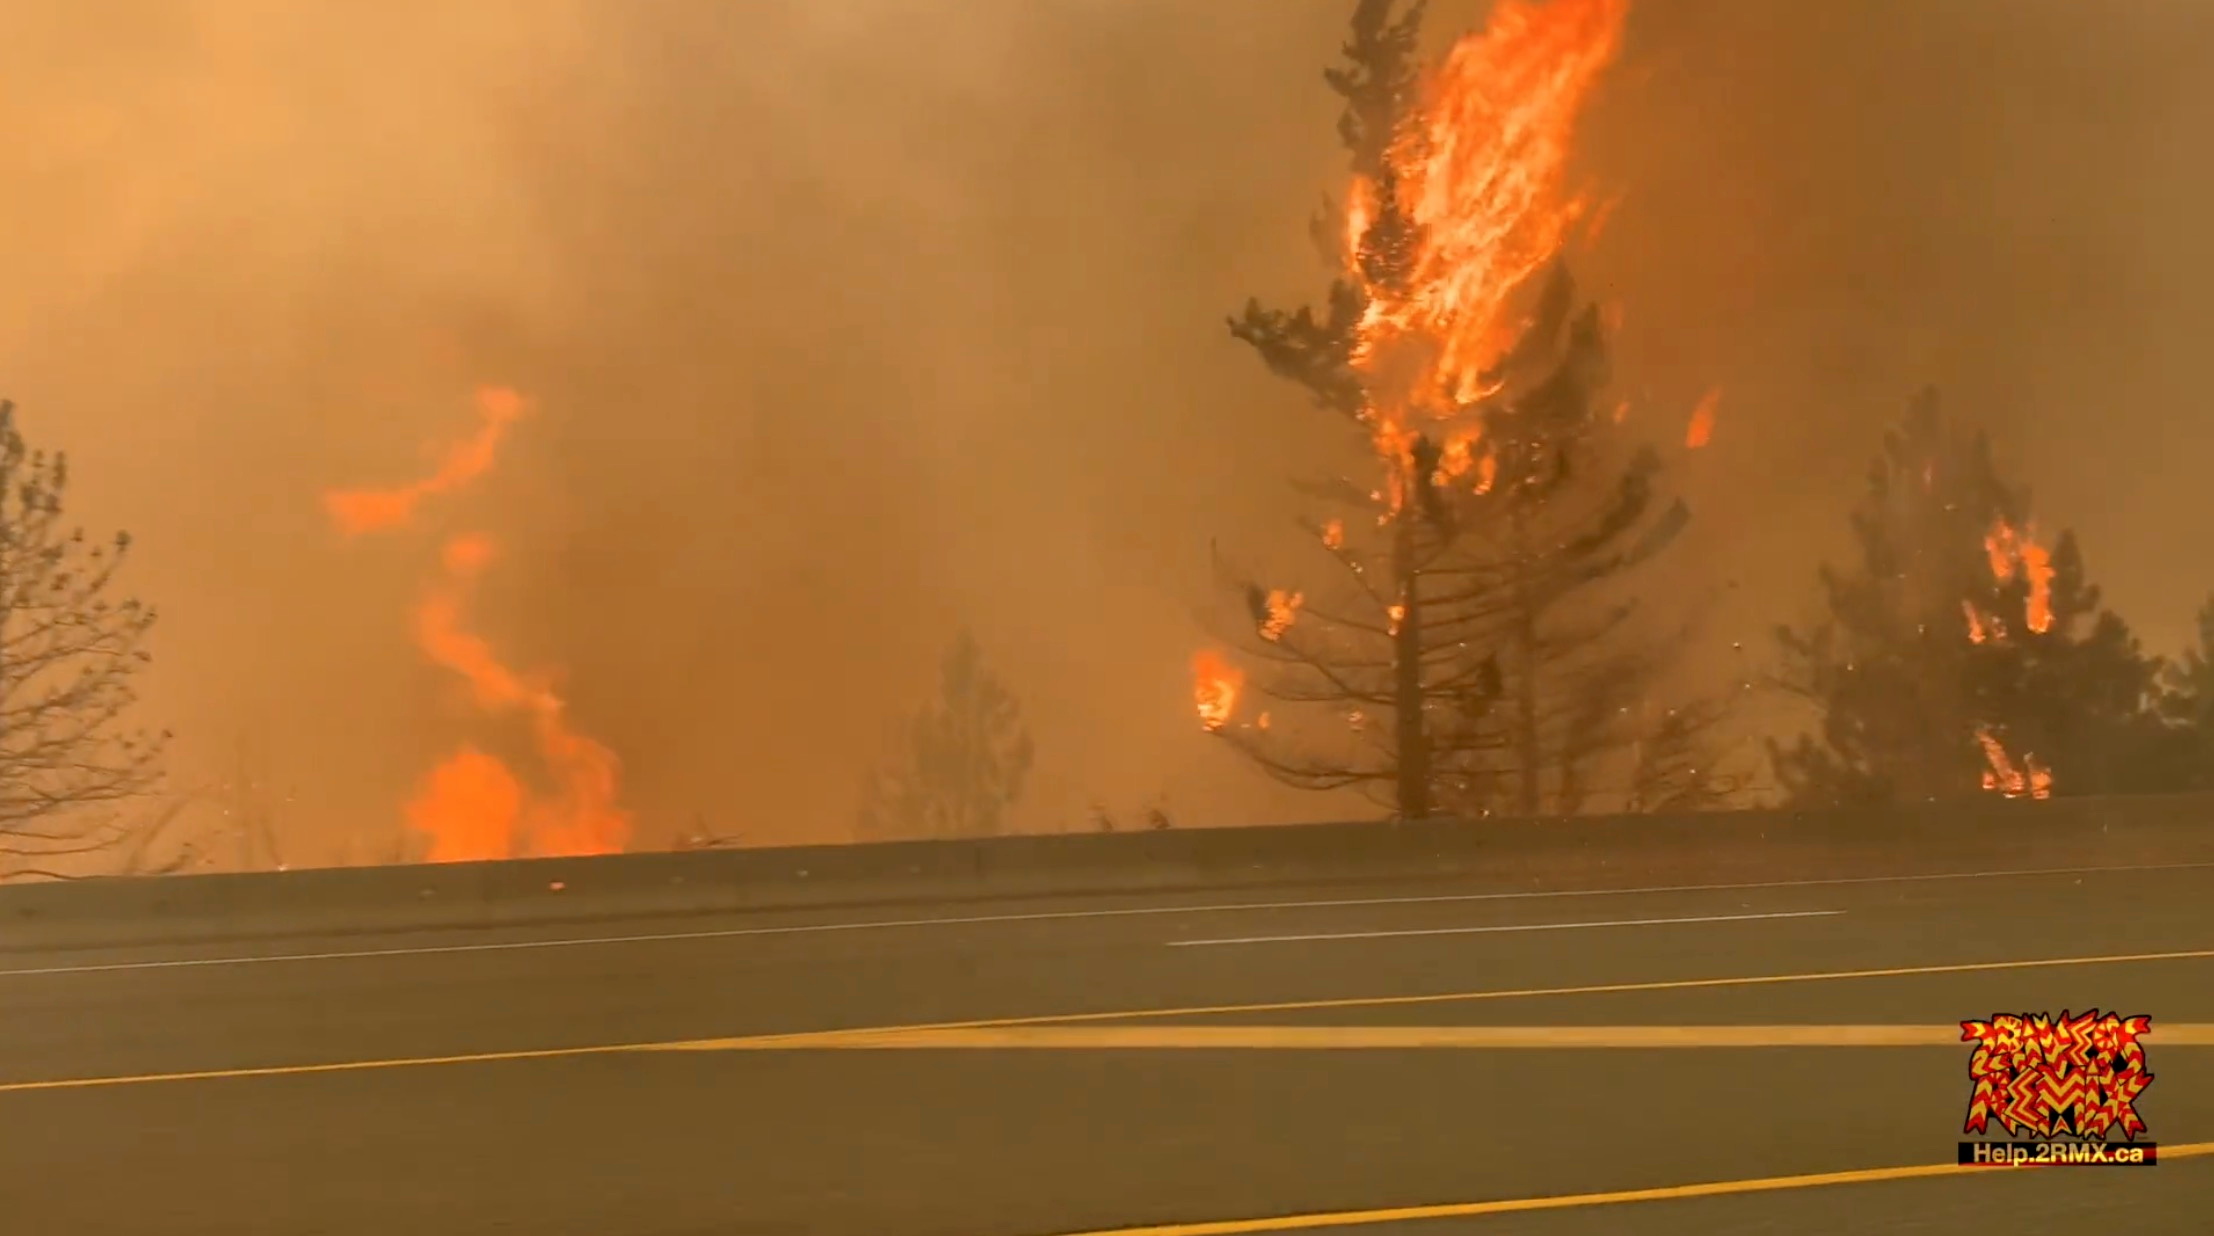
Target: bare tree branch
(69, 656)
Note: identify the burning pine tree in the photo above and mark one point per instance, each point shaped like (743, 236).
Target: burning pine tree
(1960, 655)
(1462, 652)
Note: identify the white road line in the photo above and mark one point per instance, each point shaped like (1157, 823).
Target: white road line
(1502, 927)
(1044, 916)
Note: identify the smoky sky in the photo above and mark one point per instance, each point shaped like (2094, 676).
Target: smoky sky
(851, 322)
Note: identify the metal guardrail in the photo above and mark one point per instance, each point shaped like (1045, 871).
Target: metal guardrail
(1572, 852)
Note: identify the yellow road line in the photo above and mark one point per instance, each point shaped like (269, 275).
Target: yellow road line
(821, 1037)
(1589, 989)
(1311, 1038)
(339, 1066)
(1466, 1210)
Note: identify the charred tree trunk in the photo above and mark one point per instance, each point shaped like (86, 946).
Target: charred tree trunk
(1529, 752)
(1409, 732)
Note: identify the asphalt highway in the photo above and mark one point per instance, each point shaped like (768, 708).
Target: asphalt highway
(1390, 1062)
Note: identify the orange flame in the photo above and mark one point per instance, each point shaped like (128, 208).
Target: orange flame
(2012, 550)
(1215, 687)
(1701, 429)
(582, 817)
(1283, 610)
(1978, 632)
(356, 511)
(2028, 779)
(1458, 458)
(1479, 174)
(472, 806)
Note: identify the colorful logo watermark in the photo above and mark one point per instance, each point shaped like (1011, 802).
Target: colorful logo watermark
(2060, 1088)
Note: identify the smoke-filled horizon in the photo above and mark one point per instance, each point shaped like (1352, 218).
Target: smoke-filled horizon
(852, 322)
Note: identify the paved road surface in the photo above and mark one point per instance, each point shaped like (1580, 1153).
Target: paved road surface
(326, 1098)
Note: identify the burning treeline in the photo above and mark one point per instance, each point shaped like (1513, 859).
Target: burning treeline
(1469, 648)
(472, 806)
(1473, 644)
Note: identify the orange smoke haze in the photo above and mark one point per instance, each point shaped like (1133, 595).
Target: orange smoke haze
(851, 322)
(472, 806)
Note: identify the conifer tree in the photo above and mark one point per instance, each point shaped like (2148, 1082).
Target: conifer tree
(1957, 654)
(1464, 644)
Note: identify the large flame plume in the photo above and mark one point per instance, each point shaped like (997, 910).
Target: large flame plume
(1479, 172)
(1468, 207)
(472, 806)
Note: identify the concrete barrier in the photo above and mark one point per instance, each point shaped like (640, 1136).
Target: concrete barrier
(1581, 852)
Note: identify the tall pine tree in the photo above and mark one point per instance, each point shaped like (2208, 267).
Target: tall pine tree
(1957, 655)
(962, 762)
(2187, 703)
(1466, 647)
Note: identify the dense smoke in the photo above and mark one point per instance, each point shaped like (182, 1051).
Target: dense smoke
(855, 322)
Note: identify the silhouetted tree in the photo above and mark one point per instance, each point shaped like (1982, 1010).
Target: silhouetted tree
(1465, 647)
(1958, 655)
(963, 760)
(70, 651)
(1680, 760)
(2187, 703)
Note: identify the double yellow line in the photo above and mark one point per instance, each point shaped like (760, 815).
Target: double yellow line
(1388, 1038)
(1085, 1031)
(1081, 1030)
(1571, 1201)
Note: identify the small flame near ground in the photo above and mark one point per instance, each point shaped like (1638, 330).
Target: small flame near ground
(1701, 429)
(472, 806)
(2026, 778)
(1979, 627)
(1215, 687)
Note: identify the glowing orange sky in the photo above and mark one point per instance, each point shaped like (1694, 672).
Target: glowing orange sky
(817, 389)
